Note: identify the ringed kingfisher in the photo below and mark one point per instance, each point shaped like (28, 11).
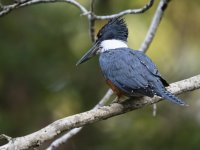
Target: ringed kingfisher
(128, 72)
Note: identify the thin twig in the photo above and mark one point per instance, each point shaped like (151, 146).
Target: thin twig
(92, 28)
(125, 12)
(92, 5)
(1, 5)
(91, 20)
(154, 25)
(154, 109)
(63, 139)
(95, 115)
(8, 8)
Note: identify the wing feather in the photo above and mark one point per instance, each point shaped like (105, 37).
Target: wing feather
(129, 71)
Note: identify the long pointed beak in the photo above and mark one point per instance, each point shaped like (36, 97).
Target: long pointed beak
(89, 54)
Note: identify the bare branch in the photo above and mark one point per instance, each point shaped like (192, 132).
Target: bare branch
(154, 24)
(8, 8)
(154, 109)
(63, 139)
(125, 12)
(92, 28)
(95, 115)
(91, 20)
(92, 5)
(1, 6)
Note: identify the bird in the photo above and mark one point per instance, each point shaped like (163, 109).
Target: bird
(128, 72)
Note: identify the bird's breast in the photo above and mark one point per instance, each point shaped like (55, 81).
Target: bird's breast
(115, 89)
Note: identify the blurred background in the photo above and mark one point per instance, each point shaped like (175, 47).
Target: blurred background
(39, 82)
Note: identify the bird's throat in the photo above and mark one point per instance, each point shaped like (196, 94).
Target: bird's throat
(112, 44)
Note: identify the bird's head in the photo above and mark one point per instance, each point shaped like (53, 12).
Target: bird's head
(112, 35)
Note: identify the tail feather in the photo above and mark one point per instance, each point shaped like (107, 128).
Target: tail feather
(170, 97)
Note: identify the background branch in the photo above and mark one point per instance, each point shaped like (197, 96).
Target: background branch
(21, 3)
(88, 117)
(126, 12)
(91, 20)
(8, 8)
(154, 25)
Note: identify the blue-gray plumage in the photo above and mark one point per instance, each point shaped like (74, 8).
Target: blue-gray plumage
(128, 72)
(134, 73)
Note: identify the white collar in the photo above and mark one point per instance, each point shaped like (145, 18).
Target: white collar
(112, 44)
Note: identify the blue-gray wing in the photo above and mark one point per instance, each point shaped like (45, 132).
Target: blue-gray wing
(131, 71)
(149, 65)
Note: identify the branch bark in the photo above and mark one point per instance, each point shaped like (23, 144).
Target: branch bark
(95, 115)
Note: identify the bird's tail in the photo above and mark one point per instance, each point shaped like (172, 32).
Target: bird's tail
(170, 97)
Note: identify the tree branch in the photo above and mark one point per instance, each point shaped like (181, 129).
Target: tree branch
(126, 12)
(95, 115)
(154, 24)
(22, 3)
(91, 20)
